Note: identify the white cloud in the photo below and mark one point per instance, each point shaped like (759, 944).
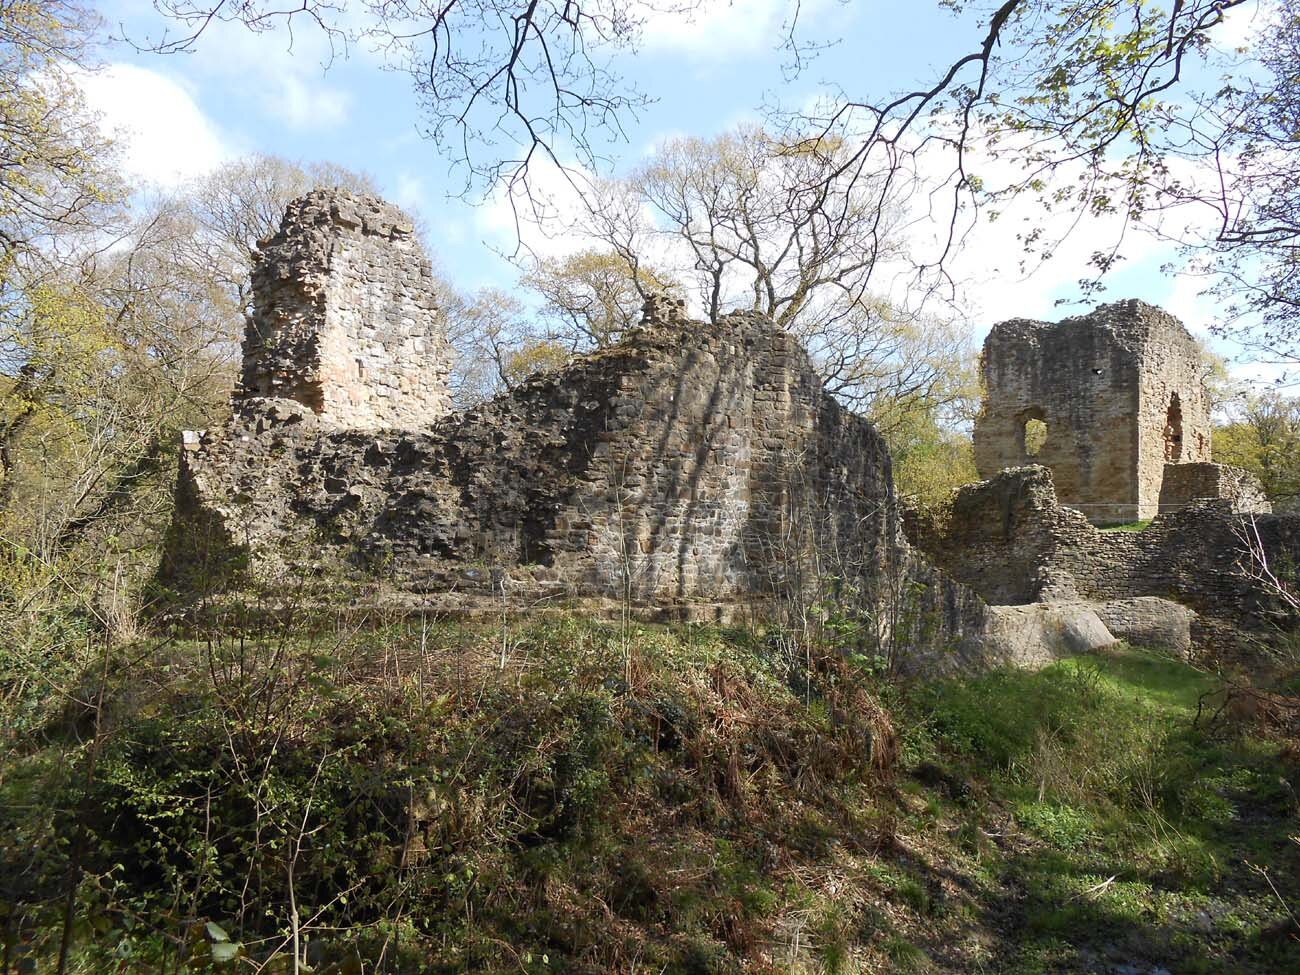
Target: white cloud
(165, 136)
(1186, 303)
(996, 276)
(285, 75)
(306, 103)
(280, 74)
(543, 221)
(1240, 24)
(410, 192)
(721, 28)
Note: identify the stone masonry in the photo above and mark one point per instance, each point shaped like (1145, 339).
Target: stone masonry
(1121, 393)
(1185, 483)
(689, 463)
(345, 317)
(698, 470)
(1009, 540)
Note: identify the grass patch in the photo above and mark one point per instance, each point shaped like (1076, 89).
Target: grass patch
(1133, 819)
(1127, 526)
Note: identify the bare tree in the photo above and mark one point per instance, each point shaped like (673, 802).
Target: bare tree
(1094, 103)
(745, 220)
(502, 83)
(241, 203)
(769, 225)
(496, 346)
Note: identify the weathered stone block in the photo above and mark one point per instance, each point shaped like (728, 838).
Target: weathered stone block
(1185, 483)
(1149, 621)
(1036, 635)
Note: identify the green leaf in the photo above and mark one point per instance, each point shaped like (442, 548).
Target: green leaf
(216, 932)
(224, 951)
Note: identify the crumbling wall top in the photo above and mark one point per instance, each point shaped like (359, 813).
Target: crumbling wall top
(345, 318)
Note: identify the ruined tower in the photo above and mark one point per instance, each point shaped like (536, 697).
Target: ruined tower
(345, 318)
(1104, 400)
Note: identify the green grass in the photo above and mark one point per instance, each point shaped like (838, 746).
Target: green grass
(1127, 526)
(1140, 829)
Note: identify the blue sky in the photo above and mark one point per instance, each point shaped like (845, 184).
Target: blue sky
(180, 115)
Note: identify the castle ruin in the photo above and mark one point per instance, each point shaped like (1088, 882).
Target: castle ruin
(345, 318)
(1104, 400)
(701, 471)
(688, 464)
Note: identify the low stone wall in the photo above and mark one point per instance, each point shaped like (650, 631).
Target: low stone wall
(1185, 483)
(1009, 540)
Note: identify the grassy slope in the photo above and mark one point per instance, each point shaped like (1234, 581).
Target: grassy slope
(1128, 836)
(564, 796)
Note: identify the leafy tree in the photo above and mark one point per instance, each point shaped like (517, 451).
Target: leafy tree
(532, 357)
(1264, 437)
(590, 299)
(1103, 107)
(116, 359)
(56, 177)
(113, 351)
(930, 461)
(928, 432)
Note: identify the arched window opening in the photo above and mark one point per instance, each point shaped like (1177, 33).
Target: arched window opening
(1033, 432)
(1174, 430)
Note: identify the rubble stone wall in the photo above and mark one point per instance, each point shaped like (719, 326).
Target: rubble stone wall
(1185, 483)
(1009, 540)
(689, 462)
(1120, 392)
(346, 320)
(691, 466)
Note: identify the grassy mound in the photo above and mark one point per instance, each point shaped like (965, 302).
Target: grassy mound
(565, 796)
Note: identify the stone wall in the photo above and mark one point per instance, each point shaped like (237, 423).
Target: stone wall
(1185, 483)
(1009, 540)
(700, 470)
(1120, 392)
(345, 318)
(691, 462)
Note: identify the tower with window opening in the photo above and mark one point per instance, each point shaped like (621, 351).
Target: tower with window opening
(1104, 400)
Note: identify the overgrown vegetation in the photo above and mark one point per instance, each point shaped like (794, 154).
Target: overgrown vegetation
(1262, 435)
(1136, 827)
(560, 795)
